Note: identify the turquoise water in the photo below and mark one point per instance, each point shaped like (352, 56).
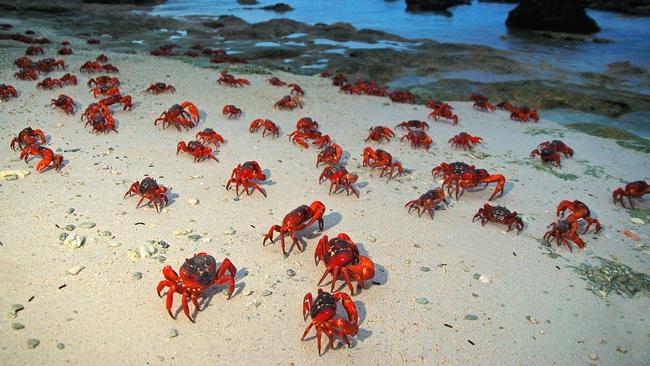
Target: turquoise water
(479, 23)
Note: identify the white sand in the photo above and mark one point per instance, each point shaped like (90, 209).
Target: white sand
(105, 316)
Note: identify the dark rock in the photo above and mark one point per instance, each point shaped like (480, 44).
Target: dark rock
(434, 5)
(126, 2)
(637, 7)
(279, 7)
(552, 15)
(625, 68)
(248, 2)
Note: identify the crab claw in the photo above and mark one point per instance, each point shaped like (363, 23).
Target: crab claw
(191, 108)
(318, 208)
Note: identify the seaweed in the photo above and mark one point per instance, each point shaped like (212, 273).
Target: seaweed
(535, 131)
(641, 213)
(609, 275)
(623, 138)
(548, 168)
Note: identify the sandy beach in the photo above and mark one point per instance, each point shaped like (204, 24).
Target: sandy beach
(426, 304)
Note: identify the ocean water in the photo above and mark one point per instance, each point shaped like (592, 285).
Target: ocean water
(479, 23)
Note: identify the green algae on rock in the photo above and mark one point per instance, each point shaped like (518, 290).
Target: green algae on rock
(609, 275)
(623, 138)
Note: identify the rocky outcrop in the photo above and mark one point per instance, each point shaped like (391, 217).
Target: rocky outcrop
(636, 7)
(278, 8)
(434, 5)
(552, 15)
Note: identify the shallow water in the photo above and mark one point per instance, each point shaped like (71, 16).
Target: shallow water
(479, 23)
(636, 122)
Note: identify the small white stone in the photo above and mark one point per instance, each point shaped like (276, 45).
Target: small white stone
(75, 270)
(192, 201)
(372, 238)
(17, 173)
(485, 279)
(146, 250)
(593, 356)
(206, 240)
(133, 255)
(229, 231)
(74, 241)
(637, 221)
(182, 232)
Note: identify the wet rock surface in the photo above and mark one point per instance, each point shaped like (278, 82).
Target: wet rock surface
(557, 16)
(434, 5)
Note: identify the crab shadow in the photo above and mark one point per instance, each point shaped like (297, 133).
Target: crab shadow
(206, 296)
(268, 181)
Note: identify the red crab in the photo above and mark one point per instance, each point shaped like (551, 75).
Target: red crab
(465, 140)
(530, 112)
(69, 79)
(49, 83)
(26, 137)
(275, 81)
(472, 178)
(578, 211)
(268, 125)
(382, 159)
(230, 80)
(244, 174)
(523, 114)
(104, 91)
(413, 124)
(93, 110)
(418, 138)
(91, 66)
(296, 220)
(318, 138)
(197, 275)
(102, 123)
(93, 41)
(402, 96)
(102, 81)
(296, 90)
(7, 91)
(125, 100)
(102, 58)
(379, 133)
(339, 177)
(23, 62)
(631, 190)
(65, 103)
(427, 202)
(505, 106)
(289, 102)
(329, 155)
(547, 154)
(209, 136)
(65, 51)
(563, 231)
(306, 123)
(339, 80)
(231, 111)
(110, 68)
(433, 104)
(500, 215)
(325, 74)
(481, 103)
(451, 173)
(342, 259)
(323, 316)
(33, 51)
(150, 190)
(159, 88)
(26, 75)
(195, 148)
(558, 146)
(185, 114)
(48, 157)
(446, 113)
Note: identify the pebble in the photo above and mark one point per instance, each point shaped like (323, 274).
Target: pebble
(104, 233)
(248, 292)
(87, 225)
(74, 241)
(206, 240)
(471, 317)
(15, 308)
(425, 269)
(133, 255)
(593, 356)
(422, 300)
(256, 303)
(17, 326)
(192, 201)
(146, 250)
(60, 345)
(291, 272)
(173, 333)
(75, 270)
(70, 211)
(163, 244)
(14, 174)
(636, 220)
(194, 237)
(182, 232)
(621, 349)
(69, 227)
(372, 238)
(33, 343)
(533, 320)
(267, 293)
(137, 275)
(63, 236)
(485, 279)
(229, 231)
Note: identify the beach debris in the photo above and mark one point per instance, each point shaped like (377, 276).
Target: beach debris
(267, 293)
(593, 356)
(87, 225)
(33, 343)
(607, 276)
(485, 279)
(69, 227)
(17, 326)
(422, 300)
(425, 269)
(229, 231)
(631, 235)
(192, 201)
(194, 237)
(372, 238)
(291, 272)
(637, 221)
(70, 211)
(74, 241)
(532, 320)
(14, 174)
(75, 270)
(471, 317)
(182, 232)
(60, 345)
(63, 236)
(137, 275)
(14, 309)
(146, 250)
(621, 349)
(173, 333)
